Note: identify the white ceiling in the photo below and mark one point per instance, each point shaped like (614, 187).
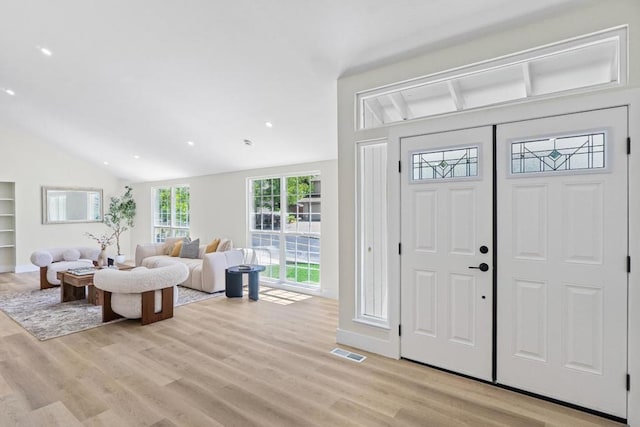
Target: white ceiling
(143, 77)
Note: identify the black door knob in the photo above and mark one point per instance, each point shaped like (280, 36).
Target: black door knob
(484, 249)
(482, 267)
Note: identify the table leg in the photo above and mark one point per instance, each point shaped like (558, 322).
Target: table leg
(254, 285)
(233, 285)
(93, 295)
(71, 293)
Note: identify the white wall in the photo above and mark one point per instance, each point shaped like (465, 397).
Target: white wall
(588, 18)
(32, 163)
(219, 206)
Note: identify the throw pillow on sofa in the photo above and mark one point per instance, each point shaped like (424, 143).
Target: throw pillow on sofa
(190, 250)
(169, 243)
(176, 248)
(225, 245)
(211, 247)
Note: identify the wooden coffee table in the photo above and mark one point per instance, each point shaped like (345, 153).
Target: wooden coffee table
(77, 287)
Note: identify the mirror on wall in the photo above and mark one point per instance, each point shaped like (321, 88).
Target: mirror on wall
(61, 205)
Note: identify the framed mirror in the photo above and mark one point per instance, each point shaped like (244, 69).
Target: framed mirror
(62, 205)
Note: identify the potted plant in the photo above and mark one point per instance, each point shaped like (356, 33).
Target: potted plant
(119, 217)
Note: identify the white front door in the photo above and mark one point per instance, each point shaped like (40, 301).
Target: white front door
(562, 258)
(446, 214)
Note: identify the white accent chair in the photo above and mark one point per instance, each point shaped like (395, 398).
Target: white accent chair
(143, 293)
(51, 261)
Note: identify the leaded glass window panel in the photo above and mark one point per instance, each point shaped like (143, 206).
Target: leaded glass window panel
(434, 165)
(566, 153)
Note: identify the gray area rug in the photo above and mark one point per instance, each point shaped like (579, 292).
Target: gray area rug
(42, 314)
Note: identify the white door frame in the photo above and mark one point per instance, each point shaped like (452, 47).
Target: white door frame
(518, 112)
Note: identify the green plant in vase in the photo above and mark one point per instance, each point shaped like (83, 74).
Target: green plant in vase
(120, 217)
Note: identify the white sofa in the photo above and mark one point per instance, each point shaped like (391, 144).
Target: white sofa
(206, 273)
(53, 260)
(141, 293)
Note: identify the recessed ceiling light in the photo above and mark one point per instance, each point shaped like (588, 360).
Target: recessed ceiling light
(135, 156)
(248, 142)
(9, 92)
(106, 163)
(191, 143)
(268, 124)
(45, 51)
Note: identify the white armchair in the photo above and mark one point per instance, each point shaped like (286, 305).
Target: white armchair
(51, 261)
(141, 293)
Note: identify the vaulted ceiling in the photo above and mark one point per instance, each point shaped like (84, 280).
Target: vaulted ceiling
(131, 82)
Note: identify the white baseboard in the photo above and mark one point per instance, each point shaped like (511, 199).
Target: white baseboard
(330, 294)
(368, 343)
(26, 268)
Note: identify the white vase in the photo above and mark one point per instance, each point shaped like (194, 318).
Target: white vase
(103, 260)
(120, 259)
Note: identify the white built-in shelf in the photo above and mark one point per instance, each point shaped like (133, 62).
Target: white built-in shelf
(7, 227)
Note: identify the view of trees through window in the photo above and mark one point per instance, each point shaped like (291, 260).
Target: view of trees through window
(284, 227)
(171, 212)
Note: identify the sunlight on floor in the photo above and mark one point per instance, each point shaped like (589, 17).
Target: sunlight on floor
(279, 296)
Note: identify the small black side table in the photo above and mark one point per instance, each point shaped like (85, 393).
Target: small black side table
(233, 276)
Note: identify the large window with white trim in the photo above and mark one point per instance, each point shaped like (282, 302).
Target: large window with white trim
(171, 212)
(284, 227)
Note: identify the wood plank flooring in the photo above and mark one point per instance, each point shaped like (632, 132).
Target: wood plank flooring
(232, 362)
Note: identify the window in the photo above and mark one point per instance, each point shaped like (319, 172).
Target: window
(585, 63)
(457, 163)
(284, 227)
(171, 212)
(572, 152)
(372, 265)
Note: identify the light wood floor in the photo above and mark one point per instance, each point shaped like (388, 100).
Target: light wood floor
(233, 362)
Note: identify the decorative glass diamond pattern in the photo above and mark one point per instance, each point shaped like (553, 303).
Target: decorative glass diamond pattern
(457, 163)
(573, 152)
(554, 154)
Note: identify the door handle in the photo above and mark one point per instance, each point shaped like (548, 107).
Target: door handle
(482, 267)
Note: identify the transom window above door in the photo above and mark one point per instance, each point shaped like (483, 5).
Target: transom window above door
(586, 63)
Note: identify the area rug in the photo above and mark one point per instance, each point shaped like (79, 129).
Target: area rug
(42, 314)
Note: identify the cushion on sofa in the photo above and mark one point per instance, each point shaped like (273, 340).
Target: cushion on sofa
(176, 249)
(225, 245)
(190, 250)
(52, 270)
(169, 243)
(71, 254)
(213, 246)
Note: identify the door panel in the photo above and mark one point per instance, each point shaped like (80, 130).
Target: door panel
(562, 249)
(446, 197)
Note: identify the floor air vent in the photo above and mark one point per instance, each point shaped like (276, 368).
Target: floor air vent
(348, 355)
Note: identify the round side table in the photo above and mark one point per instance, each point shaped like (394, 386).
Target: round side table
(233, 276)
